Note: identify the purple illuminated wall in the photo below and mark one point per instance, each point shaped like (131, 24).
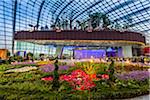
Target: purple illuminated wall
(114, 52)
(120, 54)
(83, 54)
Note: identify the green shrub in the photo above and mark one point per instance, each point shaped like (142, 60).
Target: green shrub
(55, 82)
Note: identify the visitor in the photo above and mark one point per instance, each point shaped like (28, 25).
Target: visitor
(32, 60)
(134, 60)
(142, 60)
(127, 61)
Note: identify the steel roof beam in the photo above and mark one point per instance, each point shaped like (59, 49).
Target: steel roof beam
(63, 10)
(14, 25)
(39, 13)
(136, 12)
(146, 30)
(88, 8)
(139, 22)
(113, 9)
(120, 6)
(58, 6)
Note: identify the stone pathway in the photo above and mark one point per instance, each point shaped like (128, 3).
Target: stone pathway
(23, 69)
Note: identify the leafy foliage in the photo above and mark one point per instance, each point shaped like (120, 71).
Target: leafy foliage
(28, 85)
(55, 82)
(89, 68)
(111, 70)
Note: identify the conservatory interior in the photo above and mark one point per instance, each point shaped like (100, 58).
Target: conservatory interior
(75, 49)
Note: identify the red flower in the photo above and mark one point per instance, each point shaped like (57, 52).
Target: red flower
(105, 76)
(63, 77)
(78, 79)
(47, 78)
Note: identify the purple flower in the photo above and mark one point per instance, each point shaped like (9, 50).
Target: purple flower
(50, 68)
(47, 68)
(63, 67)
(134, 75)
(22, 63)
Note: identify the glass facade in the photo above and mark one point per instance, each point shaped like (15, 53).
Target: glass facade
(41, 14)
(35, 48)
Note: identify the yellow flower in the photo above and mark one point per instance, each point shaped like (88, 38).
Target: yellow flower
(89, 68)
(44, 62)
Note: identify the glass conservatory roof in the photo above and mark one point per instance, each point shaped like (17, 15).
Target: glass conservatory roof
(134, 13)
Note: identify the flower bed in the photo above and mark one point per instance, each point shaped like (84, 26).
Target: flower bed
(78, 79)
(131, 66)
(50, 68)
(135, 75)
(22, 63)
(44, 62)
(83, 81)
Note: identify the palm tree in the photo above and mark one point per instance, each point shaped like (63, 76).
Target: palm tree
(62, 24)
(117, 26)
(46, 27)
(95, 19)
(70, 20)
(79, 23)
(58, 24)
(53, 26)
(66, 24)
(106, 21)
(82, 24)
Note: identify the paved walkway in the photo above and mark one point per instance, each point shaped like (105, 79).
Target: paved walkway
(145, 97)
(23, 69)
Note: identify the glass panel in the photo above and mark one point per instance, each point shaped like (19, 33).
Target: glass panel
(28, 12)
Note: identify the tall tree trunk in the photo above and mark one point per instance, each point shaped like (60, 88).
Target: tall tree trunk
(71, 24)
